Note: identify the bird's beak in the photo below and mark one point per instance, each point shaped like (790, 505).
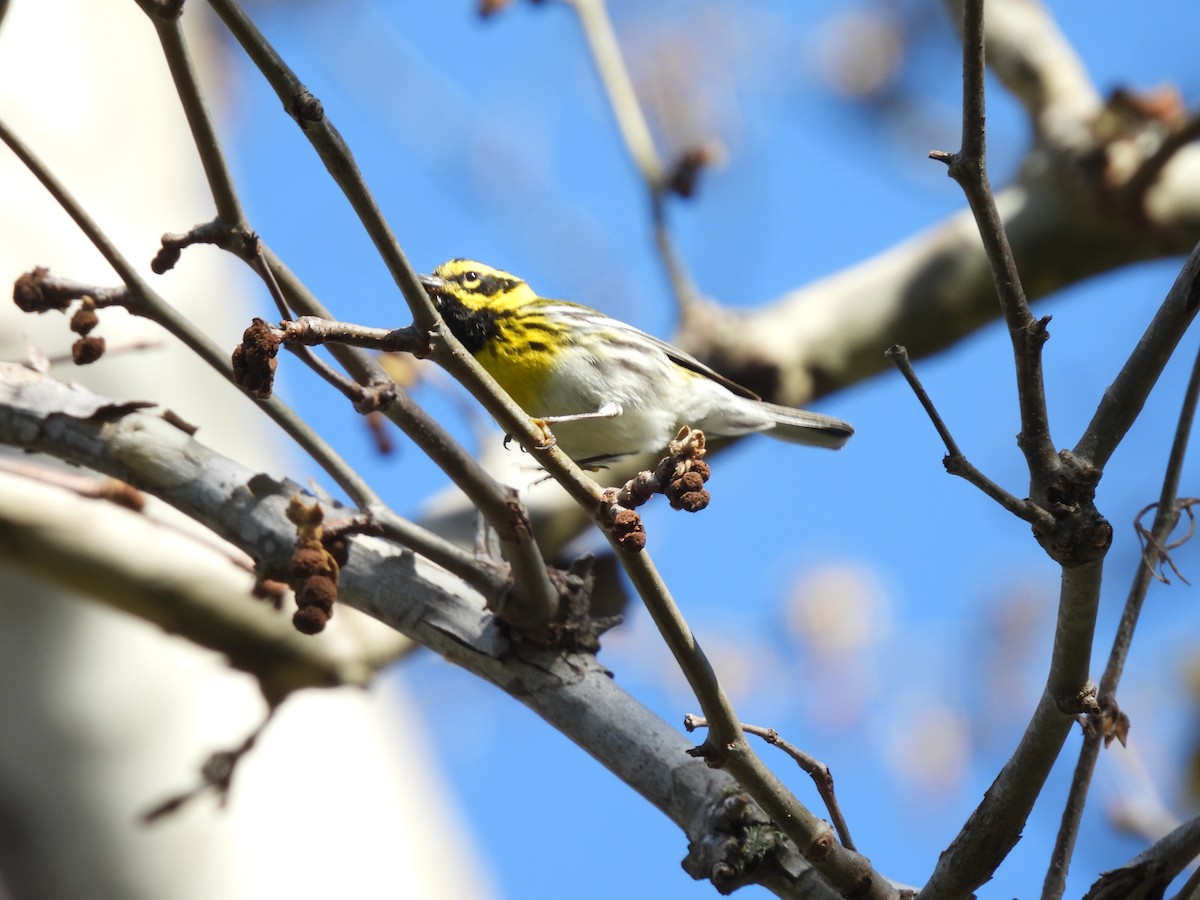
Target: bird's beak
(432, 284)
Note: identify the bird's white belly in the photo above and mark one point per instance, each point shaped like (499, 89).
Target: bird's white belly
(655, 396)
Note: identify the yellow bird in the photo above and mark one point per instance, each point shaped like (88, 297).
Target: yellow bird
(607, 389)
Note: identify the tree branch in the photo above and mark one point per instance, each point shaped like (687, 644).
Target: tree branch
(1107, 722)
(204, 135)
(1123, 400)
(955, 462)
(995, 826)
(168, 578)
(1148, 874)
(1038, 65)
(570, 690)
(969, 168)
(146, 302)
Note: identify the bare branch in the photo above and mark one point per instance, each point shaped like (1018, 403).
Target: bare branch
(1165, 520)
(660, 179)
(969, 168)
(727, 748)
(1038, 65)
(216, 775)
(1149, 873)
(955, 462)
(569, 689)
(995, 826)
(161, 575)
(622, 98)
(814, 768)
(1123, 400)
(204, 135)
(145, 302)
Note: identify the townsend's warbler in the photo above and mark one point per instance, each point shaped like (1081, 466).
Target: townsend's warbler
(607, 389)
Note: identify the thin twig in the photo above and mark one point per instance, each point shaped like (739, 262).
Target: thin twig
(263, 267)
(968, 167)
(310, 116)
(1123, 400)
(1165, 520)
(504, 510)
(216, 775)
(146, 302)
(687, 295)
(814, 768)
(136, 346)
(537, 597)
(309, 330)
(955, 462)
(1149, 873)
(204, 135)
(996, 824)
(1166, 517)
(622, 98)
(639, 141)
(727, 748)
(1055, 882)
(1154, 552)
(1037, 64)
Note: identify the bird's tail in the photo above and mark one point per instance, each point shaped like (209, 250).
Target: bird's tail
(799, 426)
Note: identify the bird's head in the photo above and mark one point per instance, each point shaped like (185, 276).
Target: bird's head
(476, 286)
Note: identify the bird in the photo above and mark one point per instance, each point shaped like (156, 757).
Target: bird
(605, 389)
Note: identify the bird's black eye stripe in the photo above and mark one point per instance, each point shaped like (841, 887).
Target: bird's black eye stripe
(487, 285)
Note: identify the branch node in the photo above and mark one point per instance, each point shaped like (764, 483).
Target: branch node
(683, 177)
(1109, 722)
(574, 629)
(216, 774)
(736, 841)
(814, 768)
(1081, 703)
(306, 109)
(714, 756)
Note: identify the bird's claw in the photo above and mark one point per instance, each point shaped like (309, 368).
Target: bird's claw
(547, 441)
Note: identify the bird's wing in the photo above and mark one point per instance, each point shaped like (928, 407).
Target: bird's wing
(679, 357)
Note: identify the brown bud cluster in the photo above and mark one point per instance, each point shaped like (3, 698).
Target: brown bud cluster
(314, 569)
(39, 291)
(254, 359)
(87, 349)
(686, 490)
(628, 532)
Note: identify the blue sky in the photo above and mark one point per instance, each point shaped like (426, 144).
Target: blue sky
(492, 140)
